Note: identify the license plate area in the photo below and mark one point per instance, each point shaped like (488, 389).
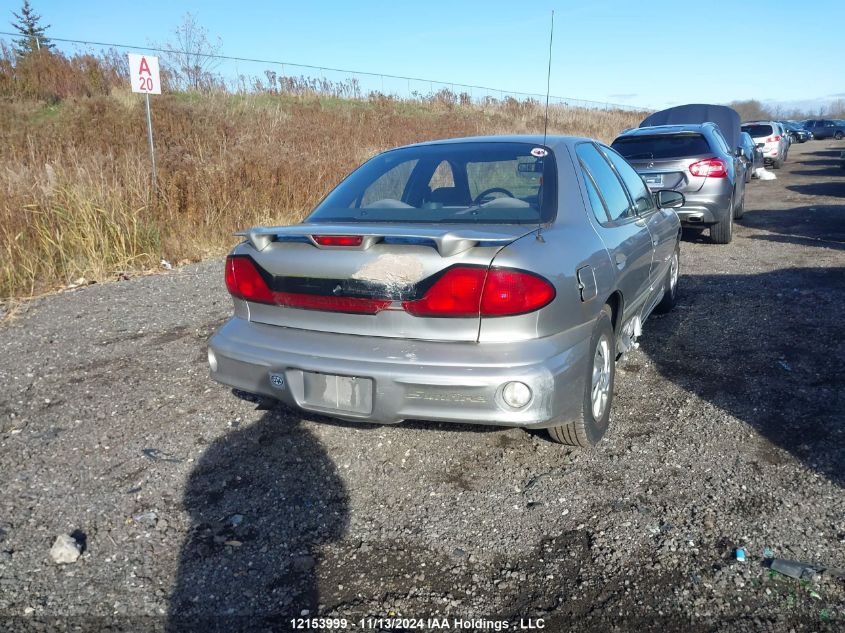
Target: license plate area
(654, 181)
(339, 394)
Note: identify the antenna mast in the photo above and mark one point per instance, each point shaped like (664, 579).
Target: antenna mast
(546, 118)
(548, 79)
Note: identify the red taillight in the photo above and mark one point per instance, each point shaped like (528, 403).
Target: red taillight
(245, 282)
(456, 294)
(514, 292)
(773, 139)
(338, 240)
(709, 167)
(471, 292)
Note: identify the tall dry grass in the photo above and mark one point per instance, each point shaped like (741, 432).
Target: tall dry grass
(75, 191)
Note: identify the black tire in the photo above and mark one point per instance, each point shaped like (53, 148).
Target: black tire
(670, 284)
(838, 136)
(776, 164)
(739, 211)
(588, 430)
(723, 232)
(749, 171)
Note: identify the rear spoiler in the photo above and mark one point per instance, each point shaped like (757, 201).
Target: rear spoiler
(448, 242)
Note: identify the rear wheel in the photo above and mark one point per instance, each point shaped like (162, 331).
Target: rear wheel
(838, 136)
(598, 389)
(739, 210)
(776, 164)
(670, 285)
(723, 232)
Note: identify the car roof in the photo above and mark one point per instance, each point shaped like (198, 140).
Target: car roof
(552, 140)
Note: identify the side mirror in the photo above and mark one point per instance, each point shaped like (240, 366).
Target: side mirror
(668, 199)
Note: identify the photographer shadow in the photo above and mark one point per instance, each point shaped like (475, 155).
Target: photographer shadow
(262, 500)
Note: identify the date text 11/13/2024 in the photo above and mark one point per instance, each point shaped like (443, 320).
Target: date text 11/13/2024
(420, 624)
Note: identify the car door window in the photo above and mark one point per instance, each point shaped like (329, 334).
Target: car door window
(608, 184)
(597, 204)
(643, 201)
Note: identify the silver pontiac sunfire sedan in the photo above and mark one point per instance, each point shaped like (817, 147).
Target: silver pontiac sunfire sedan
(490, 280)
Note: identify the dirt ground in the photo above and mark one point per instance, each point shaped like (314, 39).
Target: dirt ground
(198, 512)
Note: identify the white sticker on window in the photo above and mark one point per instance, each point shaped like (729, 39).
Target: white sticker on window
(539, 152)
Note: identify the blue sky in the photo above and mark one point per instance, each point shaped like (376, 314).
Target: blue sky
(653, 53)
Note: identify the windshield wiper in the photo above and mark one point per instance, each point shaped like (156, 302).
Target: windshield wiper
(641, 155)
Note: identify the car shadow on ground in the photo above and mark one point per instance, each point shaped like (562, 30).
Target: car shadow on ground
(813, 225)
(769, 350)
(831, 189)
(262, 500)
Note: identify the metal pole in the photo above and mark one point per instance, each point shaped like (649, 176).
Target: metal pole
(150, 138)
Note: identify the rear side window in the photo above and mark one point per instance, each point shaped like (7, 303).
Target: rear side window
(758, 130)
(643, 202)
(611, 190)
(663, 146)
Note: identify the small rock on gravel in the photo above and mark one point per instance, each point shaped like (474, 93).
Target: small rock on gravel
(65, 550)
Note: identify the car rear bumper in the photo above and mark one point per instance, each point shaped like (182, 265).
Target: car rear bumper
(704, 209)
(424, 380)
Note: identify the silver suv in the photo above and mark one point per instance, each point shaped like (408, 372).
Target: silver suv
(772, 140)
(697, 161)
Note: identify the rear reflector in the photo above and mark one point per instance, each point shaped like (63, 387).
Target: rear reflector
(710, 167)
(466, 291)
(244, 281)
(338, 240)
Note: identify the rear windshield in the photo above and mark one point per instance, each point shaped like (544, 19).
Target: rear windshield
(663, 146)
(478, 182)
(757, 130)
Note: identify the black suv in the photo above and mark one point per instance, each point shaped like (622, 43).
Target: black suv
(825, 128)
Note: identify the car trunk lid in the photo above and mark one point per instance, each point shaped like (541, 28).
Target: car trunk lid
(670, 173)
(387, 262)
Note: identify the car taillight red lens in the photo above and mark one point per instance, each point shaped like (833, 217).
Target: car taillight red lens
(709, 167)
(338, 240)
(244, 281)
(514, 292)
(456, 294)
(475, 291)
(773, 139)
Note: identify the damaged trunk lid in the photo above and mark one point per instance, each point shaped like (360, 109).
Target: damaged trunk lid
(321, 274)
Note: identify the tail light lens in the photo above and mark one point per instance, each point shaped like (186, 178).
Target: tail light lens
(475, 291)
(710, 167)
(773, 139)
(244, 281)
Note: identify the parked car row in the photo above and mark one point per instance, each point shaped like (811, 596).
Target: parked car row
(489, 280)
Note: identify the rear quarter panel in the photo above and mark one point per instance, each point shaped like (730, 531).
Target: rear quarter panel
(570, 243)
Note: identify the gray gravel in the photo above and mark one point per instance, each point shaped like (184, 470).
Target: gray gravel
(194, 509)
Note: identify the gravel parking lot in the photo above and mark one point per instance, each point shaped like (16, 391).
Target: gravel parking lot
(194, 509)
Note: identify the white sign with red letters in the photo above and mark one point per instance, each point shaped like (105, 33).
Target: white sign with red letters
(143, 73)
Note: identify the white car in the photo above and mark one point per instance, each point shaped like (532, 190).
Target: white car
(772, 140)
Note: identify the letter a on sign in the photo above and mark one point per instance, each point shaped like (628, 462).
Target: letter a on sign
(143, 72)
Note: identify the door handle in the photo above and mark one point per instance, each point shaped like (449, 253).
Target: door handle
(655, 241)
(620, 260)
